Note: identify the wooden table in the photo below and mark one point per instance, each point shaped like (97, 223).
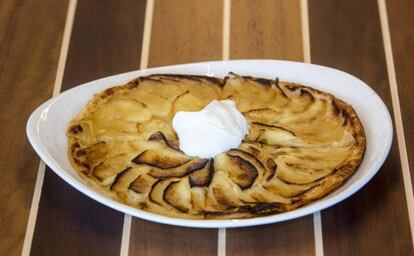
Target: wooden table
(47, 46)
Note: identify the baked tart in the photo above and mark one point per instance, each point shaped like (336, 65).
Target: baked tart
(301, 145)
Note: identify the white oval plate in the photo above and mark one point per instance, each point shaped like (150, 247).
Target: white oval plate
(47, 125)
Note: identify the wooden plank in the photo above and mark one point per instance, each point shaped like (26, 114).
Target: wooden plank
(273, 32)
(105, 40)
(185, 31)
(375, 220)
(293, 237)
(182, 31)
(401, 22)
(29, 53)
(266, 29)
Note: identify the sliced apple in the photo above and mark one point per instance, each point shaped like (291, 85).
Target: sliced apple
(310, 113)
(263, 195)
(159, 136)
(164, 158)
(123, 180)
(159, 106)
(198, 198)
(124, 110)
(156, 194)
(142, 184)
(180, 171)
(178, 195)
(273, 135)
(108, 169)
(155, 125)
(156, 85)
(240, 88)
(203, 176)
(187, 102)
(284, 189)
(247, 156)
(263, 115)
(223, 193)
(204, 92)
(241, 171)
(298, 173)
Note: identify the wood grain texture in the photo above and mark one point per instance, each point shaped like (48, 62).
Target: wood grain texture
(375, 220)
(148, 238)
(185, 31)
(273, 32)
(105, 40)
(401, 22)
(182, 31)
(29, 52)
(293, 237)
(266, 29)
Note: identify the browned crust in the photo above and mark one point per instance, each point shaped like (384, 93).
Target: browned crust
(324, 187)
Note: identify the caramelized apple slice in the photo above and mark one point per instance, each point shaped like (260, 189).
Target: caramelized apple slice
(284, 189)
(125, 110)
(240, 88)
(241, 171)
(312, 111)
(301, 100)
(108, 169)
(198, 198)
(178, 195)
(180, 171)
(203, 176)
(298, 173)
(263, 115)
(163, 158)
(156, 85)
(156, 194)
(187, 102)
(159, 106)
(262, 195)
(124, 179)
(142, 184)
(272, 134)
(223, 194)
(147, 129)
(159, 136)
(247, 156)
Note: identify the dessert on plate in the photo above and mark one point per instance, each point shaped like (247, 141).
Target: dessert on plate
(203, 147)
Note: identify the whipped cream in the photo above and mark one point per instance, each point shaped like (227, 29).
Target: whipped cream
(215, 129)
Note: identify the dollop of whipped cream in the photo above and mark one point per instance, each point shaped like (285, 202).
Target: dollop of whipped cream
(215, 129)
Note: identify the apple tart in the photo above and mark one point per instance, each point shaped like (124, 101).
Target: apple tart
(301, 145)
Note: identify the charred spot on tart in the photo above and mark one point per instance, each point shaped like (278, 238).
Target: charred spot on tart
(304, 92)
(271, 167)
(261, 81)
(76, 129)
(336, 109)
(345, 117)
